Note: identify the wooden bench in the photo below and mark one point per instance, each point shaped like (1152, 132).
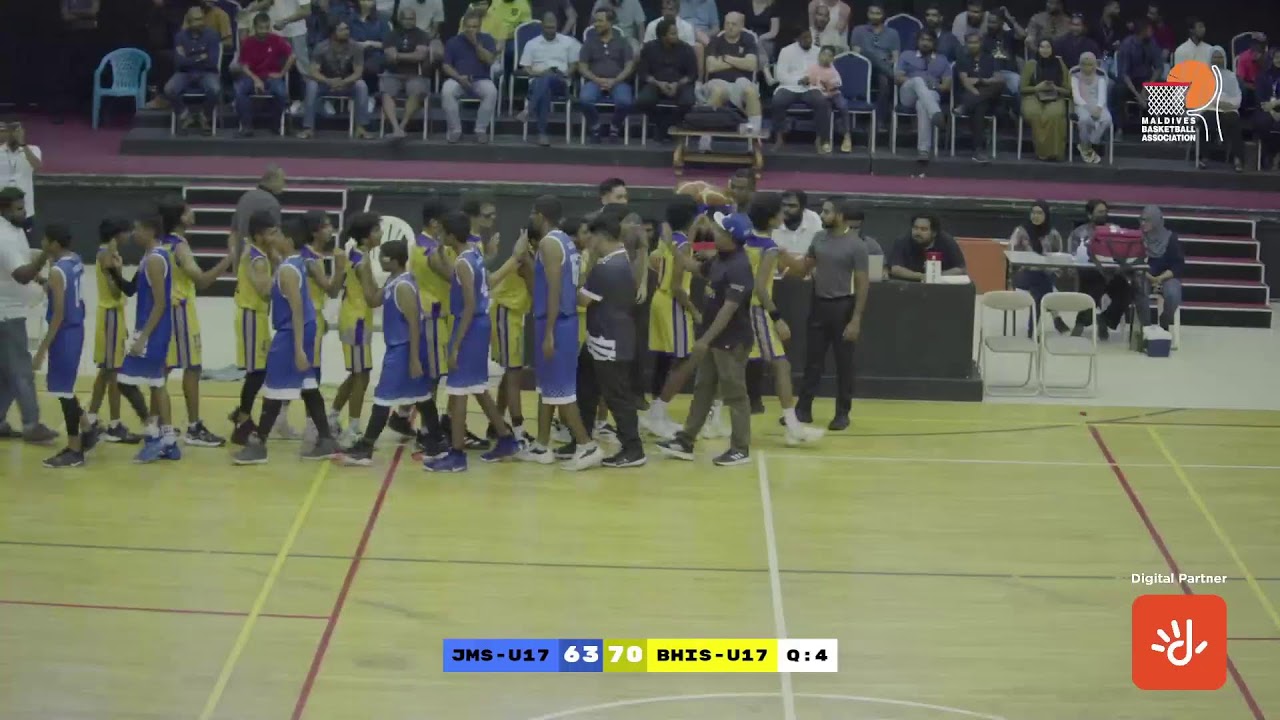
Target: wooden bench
(753, 157)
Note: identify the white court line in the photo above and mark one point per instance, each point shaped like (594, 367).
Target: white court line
(775, 582)
(980, 461)
(574, 712)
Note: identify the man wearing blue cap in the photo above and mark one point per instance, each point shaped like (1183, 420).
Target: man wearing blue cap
(724, 342)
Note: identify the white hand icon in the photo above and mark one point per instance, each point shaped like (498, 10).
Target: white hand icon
(1170, 648)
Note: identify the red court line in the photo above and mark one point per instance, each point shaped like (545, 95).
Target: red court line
(1158, 539)
(316, 661)
(177, 611)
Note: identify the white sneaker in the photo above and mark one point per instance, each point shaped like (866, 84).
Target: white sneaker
(335, 424)
(350, 435)
(704, 144)
(560, 433)
(536, 453)
(329, 109)
(714, 428)
(296, 108)
(585, 459)
(284, 431)
(803, 434)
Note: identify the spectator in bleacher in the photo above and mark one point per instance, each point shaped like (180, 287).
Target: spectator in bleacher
(948, 46)
(830, 108)
(1045, 92)
(196, 49)
(1251, 63)
(75, 52)
(336, 70)
(217, 19)
(923, 76)
(763, 20)
(1161, 32)
(21, 163)
(1266, 120)
(1075, 43)
(1195, 48)
(324, 15)
(684, 29)
(1005, 48)
(606, 62)
(732, 61)
(704, 16)
(974, 18)
(1089, 94)
(160, 23)
(1108, 31)
(408, 50)
(1226, 116)
(628, 19)
(1097, 281)
(979, 93)
(1165, 263)
(369, 31)
(1048, 24)
(1139, 60)
(791, 74)
(881, 45)
(825, 33)
(839, 12)
(668, 72)
(468, 65)
(549, 60)
(289, 18)
(907, 256)
(503, 18)
(428, 16)
(265, 60)
(566, 15)
(1038, 236)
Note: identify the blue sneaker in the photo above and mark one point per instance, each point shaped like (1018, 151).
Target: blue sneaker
(507, 447)
(455, 461)
(171, 452)
(152, 450)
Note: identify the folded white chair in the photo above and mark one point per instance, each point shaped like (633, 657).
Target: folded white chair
(1069, 346)
(1010, 301)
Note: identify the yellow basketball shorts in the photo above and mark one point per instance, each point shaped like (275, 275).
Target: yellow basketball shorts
(184, 347)
(253, 340)
(768, 346)
(109, 338)
(507, 337)
(670, 327)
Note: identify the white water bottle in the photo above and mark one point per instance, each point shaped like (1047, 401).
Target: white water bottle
(932, 268)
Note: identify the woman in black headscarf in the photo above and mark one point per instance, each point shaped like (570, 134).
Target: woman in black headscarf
(1165, 263)
(1038, 236)
(1045, 89)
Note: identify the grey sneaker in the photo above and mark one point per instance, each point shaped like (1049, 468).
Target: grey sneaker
(324, 449)
(39, 434)
(253, 453)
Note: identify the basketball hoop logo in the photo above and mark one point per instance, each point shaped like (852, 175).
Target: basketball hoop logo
(1175, 108)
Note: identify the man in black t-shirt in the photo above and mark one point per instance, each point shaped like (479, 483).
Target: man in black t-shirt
(724, 342)
(732, 59)
(980, 90)
(407, 49)
(907, 258)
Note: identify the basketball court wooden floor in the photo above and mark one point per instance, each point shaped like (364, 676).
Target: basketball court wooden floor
(973, 561)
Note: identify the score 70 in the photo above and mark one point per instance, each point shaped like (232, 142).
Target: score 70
(589, 653)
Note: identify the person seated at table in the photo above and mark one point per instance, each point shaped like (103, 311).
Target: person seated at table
(923, 76)
(1165, 262)
(1044, 102)
(1098, 280)
(668, 71)
(1037, 235)
(1226, 116)
(907, 258)
(606, 63)
(1089, 92)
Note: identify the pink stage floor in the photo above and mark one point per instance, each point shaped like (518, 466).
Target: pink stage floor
(76, 149)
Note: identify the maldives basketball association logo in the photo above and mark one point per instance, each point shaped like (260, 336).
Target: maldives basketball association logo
(1175, 108)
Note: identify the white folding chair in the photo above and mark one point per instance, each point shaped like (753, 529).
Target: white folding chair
(1069, 346)
(426, 111)
(626, 122)
(1006, 302)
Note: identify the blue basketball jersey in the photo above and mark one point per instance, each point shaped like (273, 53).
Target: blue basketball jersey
(395, 324)
(471, 256)
(570, 271)
(72, 271)
(147, 295)
(281, 313)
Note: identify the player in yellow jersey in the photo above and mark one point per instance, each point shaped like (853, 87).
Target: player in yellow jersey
(313, 234)
(765, 214)
(184, 348)
(109, 338)
(672, 314)
(253, 332)
(511, 299)
(355, 324)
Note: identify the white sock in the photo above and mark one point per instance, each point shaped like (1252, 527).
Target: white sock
(517, 431)
(152, 430)
(91, 418)
(789, 417)
(658, 408)
(168, 435)
(756, 122)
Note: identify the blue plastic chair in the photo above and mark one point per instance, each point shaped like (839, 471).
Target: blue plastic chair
(129, 68)
(907, 27)
(855, 86)
(524, 33)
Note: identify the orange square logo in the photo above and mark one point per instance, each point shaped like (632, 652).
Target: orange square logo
(1179, 642)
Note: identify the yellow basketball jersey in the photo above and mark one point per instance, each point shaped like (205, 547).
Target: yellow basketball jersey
(109, 295)
(433, 289)
(667, 253)
(354, 306)
(183, 288)
(513, 294)
(246, 296)
(757, 249)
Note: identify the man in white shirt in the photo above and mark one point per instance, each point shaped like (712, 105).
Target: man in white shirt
(1195, 48)
(794, 62)
(19, 162)
(799, 224)
(548, 60)
(17, 269)
(684, 29)
(825, 32)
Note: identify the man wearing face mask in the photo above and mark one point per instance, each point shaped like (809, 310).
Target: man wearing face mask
(1097, 281)
(19, 162)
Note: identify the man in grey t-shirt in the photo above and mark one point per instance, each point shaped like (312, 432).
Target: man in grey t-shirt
(264, 198)
(838, 261)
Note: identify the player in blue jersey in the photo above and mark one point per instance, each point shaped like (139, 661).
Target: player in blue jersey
(146, 363)
(557, 270)
(469, 350)
(289, 361)
(64, 341)
(315, 239)
(404, 379)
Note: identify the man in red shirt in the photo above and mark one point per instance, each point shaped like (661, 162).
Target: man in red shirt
(265, 61)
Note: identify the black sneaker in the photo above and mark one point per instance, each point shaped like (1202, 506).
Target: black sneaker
(838, 423)
(432, 447)
(241, 430)
(757, 406)
(679, 447)
(118, 433)
(624, 459)
(732, 457)
(198, 435)
(359, 454)
(474, 442)
(89, 438)
(566, 452)
(398, 423)
(68, 458)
